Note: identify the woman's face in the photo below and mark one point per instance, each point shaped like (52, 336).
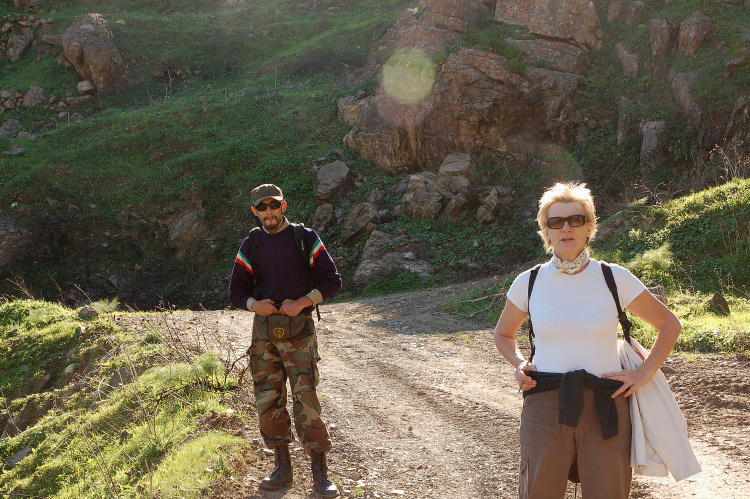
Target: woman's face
(567, 241)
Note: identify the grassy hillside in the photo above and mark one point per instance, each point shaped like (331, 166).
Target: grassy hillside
(92, 410)
(97, 188)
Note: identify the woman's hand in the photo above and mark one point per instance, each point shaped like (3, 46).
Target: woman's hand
(632, 379)
(525, 382)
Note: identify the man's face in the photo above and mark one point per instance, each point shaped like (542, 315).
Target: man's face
(269, 217)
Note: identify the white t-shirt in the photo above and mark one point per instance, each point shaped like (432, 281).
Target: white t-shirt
(575, 317)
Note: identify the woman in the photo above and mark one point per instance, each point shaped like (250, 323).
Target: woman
(575, 365)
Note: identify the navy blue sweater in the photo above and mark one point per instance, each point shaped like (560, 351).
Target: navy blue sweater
(281, 270)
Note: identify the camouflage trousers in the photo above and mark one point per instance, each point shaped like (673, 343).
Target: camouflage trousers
(271, 363)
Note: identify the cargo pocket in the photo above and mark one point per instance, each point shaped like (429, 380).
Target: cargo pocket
(523, 479)
(314, 375)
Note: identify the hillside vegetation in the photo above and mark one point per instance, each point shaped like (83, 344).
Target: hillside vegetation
(95, 190)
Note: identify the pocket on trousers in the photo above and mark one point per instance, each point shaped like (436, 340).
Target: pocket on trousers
(314, 375)
(523, 479)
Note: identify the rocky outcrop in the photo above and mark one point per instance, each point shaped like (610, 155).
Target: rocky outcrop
(693, 31)
(631, 12)
(661, 40)
(680, 83)
(384, 253)
(90, 47)
(560, 56)
(574, 21)
(654, 133)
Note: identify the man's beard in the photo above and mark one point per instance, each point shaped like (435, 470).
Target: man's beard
(272, 224)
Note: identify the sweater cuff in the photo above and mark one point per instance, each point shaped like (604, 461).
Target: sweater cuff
(315, 296)
(250, 302)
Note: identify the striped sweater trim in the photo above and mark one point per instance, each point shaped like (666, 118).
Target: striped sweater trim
(242, 260)
(317, 247)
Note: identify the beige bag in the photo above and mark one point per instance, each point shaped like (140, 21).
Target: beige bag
(280, 327)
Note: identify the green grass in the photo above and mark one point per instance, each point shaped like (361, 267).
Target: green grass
(89, 439)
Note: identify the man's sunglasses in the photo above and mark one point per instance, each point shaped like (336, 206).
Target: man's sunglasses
(573, 221)
(274, 205)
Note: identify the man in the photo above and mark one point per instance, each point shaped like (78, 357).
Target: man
(280, 282)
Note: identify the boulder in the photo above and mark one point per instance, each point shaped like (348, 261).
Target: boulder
(18, 44)
(456, 173)
(426, 204)
(360, 222)
(659, 292)
(734, 65)
(330, 182)
(186, 229)
(485, 215)
(658, 34)
(614, 9)
(652, 147)
(632, 10)
(693, 31)
(681, 83)
(369, 269)
(322, 217)
(560, 56)
(6, 28)
(628, 61)
(718, 302)
(18, 457)
(34, 96)
(77, 102)
(454, 207)
(90, 47)
(737, 129)
(625, 121)
(375, 243)
(27, 5)
(86, 87)
(573, 20)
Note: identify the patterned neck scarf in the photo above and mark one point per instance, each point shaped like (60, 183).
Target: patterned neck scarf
(570, 267)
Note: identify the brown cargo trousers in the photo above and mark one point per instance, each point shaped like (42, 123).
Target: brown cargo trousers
(271, 363)
(548, 450)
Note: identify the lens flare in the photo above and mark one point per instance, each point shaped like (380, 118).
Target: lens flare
(408, 76)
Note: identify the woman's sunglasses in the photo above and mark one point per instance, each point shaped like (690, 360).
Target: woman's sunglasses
(573, 221)
(274, 205)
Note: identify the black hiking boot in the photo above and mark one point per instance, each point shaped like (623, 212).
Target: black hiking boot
(282, 473)
(322, 485)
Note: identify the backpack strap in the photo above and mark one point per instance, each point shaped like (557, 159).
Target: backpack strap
(299, 241)
(621, 315)
(254, 239)
(532, 278)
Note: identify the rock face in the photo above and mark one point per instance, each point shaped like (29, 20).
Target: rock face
(90, 47)
(19, 44)
(693, 31)
(572, 20)
(478, 104)
(330, 182)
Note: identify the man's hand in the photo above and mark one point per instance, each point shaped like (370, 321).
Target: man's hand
(294, 307)
(264, 308)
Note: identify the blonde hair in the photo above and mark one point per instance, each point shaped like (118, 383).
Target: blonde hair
(568, 192)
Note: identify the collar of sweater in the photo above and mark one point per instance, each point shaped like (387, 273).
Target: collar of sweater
(283, 226)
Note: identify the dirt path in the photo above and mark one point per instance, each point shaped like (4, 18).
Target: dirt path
(421, 405)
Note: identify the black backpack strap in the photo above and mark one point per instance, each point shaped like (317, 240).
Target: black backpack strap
(621, 315)
(254, 240)
(299, 241)
(532, 278)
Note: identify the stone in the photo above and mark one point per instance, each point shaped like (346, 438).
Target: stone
(573, 20)
(454, 207)
(375, 243)
(614, 9)
(322, 217)
(560, 56)
(737, 129)
(34, 96)
(187, 228)
(6, 28)
(369, 269)
(360, 222)
(485, 215)
(86, 87)
(681, 83)
(659, 292)
(426, 204)
(331, 181)
(628, 61)
(717, 301)
(11, 125)
(90, 46)
(18, 44)
(733, 66)
(625, 121)
(632, 10)
(651, 157)
(456, 173)
(77, 102)
(413, 183)
(27, 5)
(41, 52)
(693, 31)
(659, 36)
(18, 457)
(88, 312)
